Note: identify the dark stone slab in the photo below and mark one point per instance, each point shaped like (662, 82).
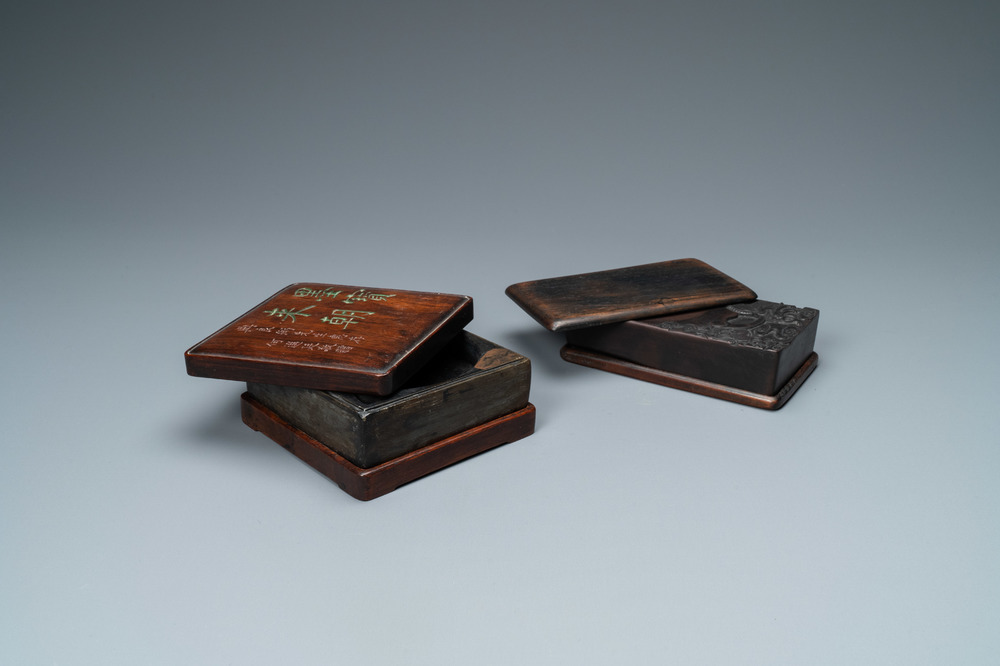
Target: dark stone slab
(471, 381)
(755, 346)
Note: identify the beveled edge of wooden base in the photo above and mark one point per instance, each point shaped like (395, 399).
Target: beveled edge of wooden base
(368, 483)
(592, 359)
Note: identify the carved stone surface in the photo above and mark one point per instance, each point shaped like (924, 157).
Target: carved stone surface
(759, 324)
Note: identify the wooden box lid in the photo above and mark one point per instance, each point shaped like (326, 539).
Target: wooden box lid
(333, 337)
(605, 297)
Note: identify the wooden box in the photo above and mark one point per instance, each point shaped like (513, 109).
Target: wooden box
(712, 337)
(372, 387)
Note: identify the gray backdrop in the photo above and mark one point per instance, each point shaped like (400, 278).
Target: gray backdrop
(166, 166)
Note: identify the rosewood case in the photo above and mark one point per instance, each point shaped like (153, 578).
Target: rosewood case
(373, 388)
(716, 340)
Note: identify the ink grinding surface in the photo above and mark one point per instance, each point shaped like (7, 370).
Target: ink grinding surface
(333, 337)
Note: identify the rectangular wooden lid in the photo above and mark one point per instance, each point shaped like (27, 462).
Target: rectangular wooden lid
(621, 294)
(333, 337)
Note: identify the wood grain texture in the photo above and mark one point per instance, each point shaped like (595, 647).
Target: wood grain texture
(592, 359)
(471, 381)
(367, 484)
(333, 337)
(604, 297)
(754, 346)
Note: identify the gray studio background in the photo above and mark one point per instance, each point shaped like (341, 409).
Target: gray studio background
(166, 166)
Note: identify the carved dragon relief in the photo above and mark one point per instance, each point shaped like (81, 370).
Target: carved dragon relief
(759, 324)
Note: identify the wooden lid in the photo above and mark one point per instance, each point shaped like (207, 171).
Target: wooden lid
(605, 297)
(333, 337)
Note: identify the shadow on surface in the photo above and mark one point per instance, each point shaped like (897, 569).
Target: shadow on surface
(542, 347)
(217, 425)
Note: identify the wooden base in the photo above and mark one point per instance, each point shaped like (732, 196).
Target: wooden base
(368, 483)
(600, 361)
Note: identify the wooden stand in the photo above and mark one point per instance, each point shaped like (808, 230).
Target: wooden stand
(366, 484)
(599, 361)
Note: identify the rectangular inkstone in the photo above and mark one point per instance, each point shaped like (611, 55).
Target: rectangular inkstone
(754, 346)
(470, 382)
